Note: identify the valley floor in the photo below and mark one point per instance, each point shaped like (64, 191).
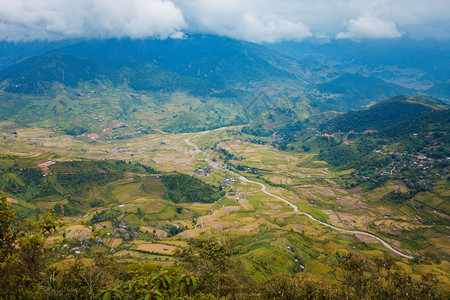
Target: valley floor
(291, 210)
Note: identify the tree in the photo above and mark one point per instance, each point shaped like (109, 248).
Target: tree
(381, 278)
(170, 283)
(212, 259)
(8, 233)
(21, 252)
(300, 286)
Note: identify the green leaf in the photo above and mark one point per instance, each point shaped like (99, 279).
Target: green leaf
(107, 295)
(194, 281)
(167, 279)
(182, 288)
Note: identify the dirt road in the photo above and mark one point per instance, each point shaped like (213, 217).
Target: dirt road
(263, 189)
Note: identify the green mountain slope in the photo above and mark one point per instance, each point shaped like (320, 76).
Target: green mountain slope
(359, 90)
(217, 59)
(414, 151)
(38, 74)
(59, 91)
(118, 88)
(383, 114)
(244, 65)
(441, 91)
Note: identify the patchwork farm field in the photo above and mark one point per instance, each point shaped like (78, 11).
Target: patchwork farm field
(134, 216)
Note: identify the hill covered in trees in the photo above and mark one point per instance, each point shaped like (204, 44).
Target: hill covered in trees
(383, 114)
(72, 187)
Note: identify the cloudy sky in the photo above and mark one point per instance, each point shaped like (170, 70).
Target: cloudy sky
(254, 20)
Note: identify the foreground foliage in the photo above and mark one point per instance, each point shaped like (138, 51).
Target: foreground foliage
(207, 268)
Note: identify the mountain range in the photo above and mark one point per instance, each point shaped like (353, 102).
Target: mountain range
(231, 81)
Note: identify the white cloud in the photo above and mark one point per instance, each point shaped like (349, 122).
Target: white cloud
(266, 29)
(369, 27)
(254, 20)
(275, 20)
(270, 30)
(249, 20)
(55, 19)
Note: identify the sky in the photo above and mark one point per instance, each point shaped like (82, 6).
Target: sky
(260, 21)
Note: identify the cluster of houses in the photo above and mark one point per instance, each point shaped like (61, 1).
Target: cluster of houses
(121, 230)
(421, 167)
(227, 182)
(202, 170)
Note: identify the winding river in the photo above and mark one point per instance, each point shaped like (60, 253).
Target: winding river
(263, 189)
